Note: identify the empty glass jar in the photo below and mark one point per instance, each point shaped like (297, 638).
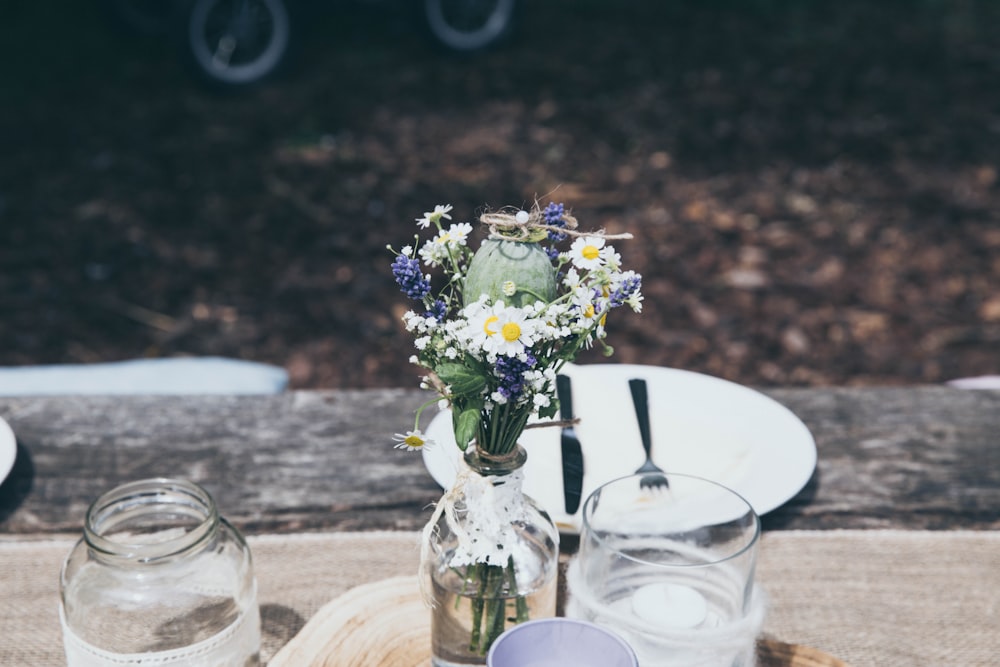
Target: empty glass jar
(159, 578)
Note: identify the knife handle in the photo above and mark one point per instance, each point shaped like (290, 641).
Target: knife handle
(640, 400)
(564, 392)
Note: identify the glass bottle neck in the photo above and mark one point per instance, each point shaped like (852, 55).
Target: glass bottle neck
(489, 465)
(151, 520)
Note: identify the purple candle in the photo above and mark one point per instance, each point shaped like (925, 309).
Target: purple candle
(557, 642)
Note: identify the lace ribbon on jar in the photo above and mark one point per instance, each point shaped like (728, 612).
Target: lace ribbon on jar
(490, 505)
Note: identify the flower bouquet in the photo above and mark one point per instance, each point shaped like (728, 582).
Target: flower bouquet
(492, 338)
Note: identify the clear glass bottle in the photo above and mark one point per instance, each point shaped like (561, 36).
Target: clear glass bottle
(159, 578)
(474, 602)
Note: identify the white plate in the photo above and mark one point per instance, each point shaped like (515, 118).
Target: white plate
(8, 449)
(701, 425)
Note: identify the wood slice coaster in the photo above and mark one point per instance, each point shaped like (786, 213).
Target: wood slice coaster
(385, 624)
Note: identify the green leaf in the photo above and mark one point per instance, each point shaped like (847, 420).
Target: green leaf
(465, 423)
(549, 411)
(463, 381)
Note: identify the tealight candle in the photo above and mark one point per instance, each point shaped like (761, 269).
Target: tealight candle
(674, 605)
(558, 642)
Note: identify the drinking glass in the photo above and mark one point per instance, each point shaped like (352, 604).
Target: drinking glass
(671, 570)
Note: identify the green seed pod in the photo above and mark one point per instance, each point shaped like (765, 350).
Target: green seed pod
(498, 262)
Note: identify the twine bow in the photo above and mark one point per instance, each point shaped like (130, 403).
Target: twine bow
(522, 225)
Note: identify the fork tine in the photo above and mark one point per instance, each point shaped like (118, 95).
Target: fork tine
(654, 482)
(656, 477)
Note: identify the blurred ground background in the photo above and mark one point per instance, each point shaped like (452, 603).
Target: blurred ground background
(813, 186)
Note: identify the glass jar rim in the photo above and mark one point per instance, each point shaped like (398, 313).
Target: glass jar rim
(588, 508)
(488, 464)
(147, 497)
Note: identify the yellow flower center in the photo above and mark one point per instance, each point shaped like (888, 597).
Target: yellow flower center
(414, 441)
(588, 310)
(511, 332)
(487, 323)
(590, 252)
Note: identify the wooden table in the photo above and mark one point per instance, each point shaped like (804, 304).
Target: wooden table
(308, 477)
(912, 458)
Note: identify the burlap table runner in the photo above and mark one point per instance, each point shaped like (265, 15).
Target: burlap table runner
(878, 598)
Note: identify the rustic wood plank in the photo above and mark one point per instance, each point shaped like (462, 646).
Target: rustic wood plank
(904, 457)
(916, 457)
(297, 461)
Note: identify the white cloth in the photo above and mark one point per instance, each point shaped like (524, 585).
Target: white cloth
(198, 375)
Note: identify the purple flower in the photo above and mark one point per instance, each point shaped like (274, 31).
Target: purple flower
(410, 279)
(438, 310)
(629, 286)
(553, 215)
(511, 371)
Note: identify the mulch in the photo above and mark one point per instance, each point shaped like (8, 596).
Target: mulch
(814, 187)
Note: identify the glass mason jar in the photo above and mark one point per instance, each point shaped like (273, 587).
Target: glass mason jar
(159, 578)
(475, 601)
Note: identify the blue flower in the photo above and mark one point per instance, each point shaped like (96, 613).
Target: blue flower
(553, 215)
(629, 286)
(438, 310)
(511, 371)
(411, 281)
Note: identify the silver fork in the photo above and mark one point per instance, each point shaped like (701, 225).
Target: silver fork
(653, 476)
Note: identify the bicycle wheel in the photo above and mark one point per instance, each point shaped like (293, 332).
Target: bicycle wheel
(235, 43)
(469, 25)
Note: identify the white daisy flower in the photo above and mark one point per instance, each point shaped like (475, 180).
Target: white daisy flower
(412, 441)
(585, 253)
(510, 333)
(634, 302)
(587, 305)
(433, 252)
(499, 329)
(572, 279)
(458, 234)
(611, 258)
(479, 322)
(434, 216)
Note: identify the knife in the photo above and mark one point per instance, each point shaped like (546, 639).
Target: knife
(572, 453)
